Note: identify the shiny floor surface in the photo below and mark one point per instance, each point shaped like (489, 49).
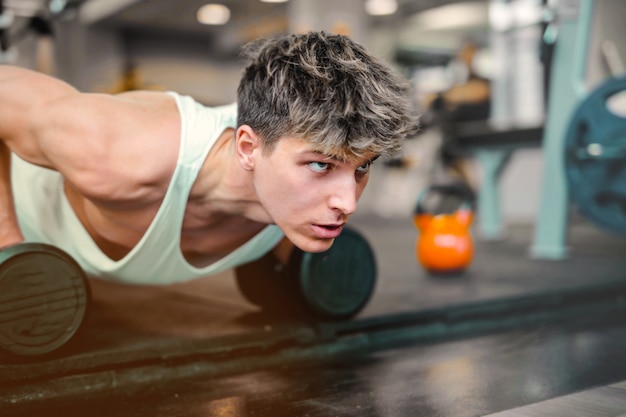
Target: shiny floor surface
(472, 377)
(606, 401)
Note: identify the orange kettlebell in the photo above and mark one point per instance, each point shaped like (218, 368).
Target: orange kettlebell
(445, 244)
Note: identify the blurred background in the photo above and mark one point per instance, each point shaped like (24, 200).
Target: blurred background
(192, 47)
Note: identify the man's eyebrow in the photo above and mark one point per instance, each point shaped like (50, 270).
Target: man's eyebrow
(325, 155)
(372, 159)
(339, 158)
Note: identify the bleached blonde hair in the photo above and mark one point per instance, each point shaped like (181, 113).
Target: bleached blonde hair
(326, 89)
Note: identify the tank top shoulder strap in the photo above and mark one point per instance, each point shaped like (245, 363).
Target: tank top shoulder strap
(201, 127)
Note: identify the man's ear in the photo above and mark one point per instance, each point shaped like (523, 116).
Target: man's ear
(247, 142)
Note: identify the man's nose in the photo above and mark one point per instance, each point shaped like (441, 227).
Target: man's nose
(344, 196)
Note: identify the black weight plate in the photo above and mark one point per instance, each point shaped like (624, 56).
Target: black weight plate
(598, 184)
(43, 298)
(337, 284)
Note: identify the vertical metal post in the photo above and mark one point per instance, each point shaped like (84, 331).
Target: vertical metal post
(489, 213)
(567, 88)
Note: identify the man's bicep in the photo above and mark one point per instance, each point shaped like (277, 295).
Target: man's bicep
(68, 135)
(22, 94)
(107, 146)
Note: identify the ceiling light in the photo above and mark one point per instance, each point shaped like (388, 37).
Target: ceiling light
(381, 7)
(453, 16)
(213, 14)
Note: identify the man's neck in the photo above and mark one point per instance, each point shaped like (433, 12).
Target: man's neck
(223, 187)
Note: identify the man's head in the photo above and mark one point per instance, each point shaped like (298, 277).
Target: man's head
(314, 111)
(327, 90)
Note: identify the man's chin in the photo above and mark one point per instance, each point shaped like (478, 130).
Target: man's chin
(315, 245)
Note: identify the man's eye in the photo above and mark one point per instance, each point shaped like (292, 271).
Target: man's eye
(319, 166)
(363, 169)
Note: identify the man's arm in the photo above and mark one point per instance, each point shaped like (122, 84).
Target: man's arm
(103, 144)
(15, 104)
(9, 230)
(113, 149)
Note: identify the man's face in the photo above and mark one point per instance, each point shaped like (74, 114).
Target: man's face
(307, 194)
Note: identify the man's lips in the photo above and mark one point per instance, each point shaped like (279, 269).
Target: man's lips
(327, 231)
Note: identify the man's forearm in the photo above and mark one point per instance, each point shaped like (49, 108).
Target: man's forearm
(9, 229)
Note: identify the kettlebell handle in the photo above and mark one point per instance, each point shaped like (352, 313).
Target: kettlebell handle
(460, 189)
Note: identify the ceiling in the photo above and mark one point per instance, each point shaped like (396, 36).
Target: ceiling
(249, 18)
(180, 15)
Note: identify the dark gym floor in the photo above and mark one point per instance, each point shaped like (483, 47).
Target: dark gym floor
(510, 332)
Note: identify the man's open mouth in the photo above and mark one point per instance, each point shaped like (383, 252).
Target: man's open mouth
(327, 231)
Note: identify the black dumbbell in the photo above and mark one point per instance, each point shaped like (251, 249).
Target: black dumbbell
(331, 285)
(43, 299)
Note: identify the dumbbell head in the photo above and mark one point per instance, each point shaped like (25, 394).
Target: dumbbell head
(338, 283)
(43, 298)
(331, 285)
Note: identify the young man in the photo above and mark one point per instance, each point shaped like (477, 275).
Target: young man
(150, 187)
